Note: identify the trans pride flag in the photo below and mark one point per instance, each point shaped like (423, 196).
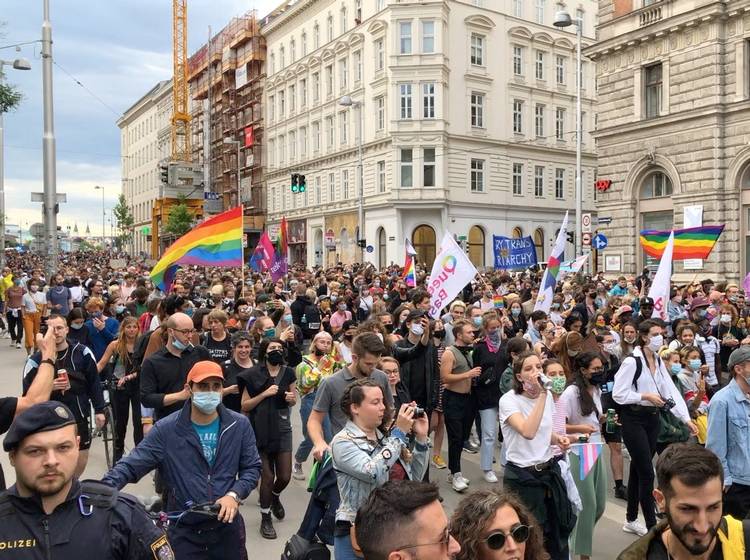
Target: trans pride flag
(263, 255)
(588, 453)
(549, 280)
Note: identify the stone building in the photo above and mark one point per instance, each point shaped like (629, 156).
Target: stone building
(673, 127)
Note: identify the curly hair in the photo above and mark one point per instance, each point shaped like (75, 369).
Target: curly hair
(477, 510)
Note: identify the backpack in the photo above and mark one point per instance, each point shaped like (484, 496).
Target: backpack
(310, 321)
(299, 548)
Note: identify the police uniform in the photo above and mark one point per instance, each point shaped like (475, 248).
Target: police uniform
(94, 521)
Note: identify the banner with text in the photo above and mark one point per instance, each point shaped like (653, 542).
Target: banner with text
(513, 253)
(451, 271)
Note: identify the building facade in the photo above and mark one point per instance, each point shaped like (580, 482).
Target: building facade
(673, 82)
(468, 117)
(144, 143)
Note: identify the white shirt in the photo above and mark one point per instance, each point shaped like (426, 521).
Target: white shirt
(519, 450)
(571, 404)
(649, 382)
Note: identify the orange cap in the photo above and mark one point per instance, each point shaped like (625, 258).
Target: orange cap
(203, 370)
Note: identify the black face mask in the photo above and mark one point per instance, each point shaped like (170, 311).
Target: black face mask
(440, 335)
(275, 357)
(318, 352)
(388, 328)
(598, 378)
(348, 337)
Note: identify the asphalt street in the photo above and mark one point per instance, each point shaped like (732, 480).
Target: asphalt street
(609, 537)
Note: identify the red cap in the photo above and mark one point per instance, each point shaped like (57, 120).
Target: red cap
(203, 370)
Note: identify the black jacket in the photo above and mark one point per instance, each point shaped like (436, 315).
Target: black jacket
(487, 388)
(298, 309)
(406, 353)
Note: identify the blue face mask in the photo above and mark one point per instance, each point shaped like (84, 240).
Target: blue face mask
(119, 308)
(189, 311)
(477, 321)
(515, 311)
(676, 368)
(207, 401)
(288, 319)
(695, 365)
(179, 345)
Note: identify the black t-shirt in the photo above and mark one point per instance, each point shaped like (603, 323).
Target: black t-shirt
(232, 370)
(220, 351)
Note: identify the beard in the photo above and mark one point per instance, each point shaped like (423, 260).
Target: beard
(685, 536)
(42, 486)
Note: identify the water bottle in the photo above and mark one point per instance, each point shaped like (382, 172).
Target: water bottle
(610, 424)
(545, 381)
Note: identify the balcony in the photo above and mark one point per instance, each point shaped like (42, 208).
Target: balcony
(650, 15)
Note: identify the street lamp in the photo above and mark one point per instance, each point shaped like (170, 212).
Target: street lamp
(104, 245)
(562, 20)
(347, 101)
(17, 64)
(239, 165)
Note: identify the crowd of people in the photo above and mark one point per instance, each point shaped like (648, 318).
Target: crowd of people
(204, 379)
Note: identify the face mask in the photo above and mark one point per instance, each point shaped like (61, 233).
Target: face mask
(76, 326)
(207, 401)
(288, 319)
(515, 311)
(121, 308)
(318, 352)
(600, 322)
(597, 377)
(388, 328)
(555, 306)
(573, 353)
(417, 329)
(275, 357)
(675, 368)
(733, 299)
(342, 307)
(533, 389)
(477, 321)
(348, 337)
(269, 333)
(33, 288)
(334, 299)
(695, 365)
(189, 311)
(629, 339)
(610, 347)
(726, 319)
(655, 342)
(701, 313)
(558, 385)
(179, 345)
(439, 334)
(494, 336)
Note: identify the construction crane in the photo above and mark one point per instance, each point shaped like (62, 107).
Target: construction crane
(180, 115)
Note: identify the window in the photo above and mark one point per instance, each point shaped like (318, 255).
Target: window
(380, 5)
(329, 132)
(343, 127)
(539, 11)
(316, 37)
(381, 176)
(271, 107)
(404, 28)
(560, 123)
(517, 116)
(345, 184)
(303, 141)
(539, 244)
(407, 179)
(653, 90)
(477, 110)
(344, 74)
(273, 63)
(579, 17)
(292, 146)
(381, 248)
(428, 37)
(357, 61)
(428, 101)
(292, 99)
(656, 185)
(282, 62)
(559, 183)
(292, 51)
(560, 69)
(271, 152)
(476, 246)
(518, 60)
(282, 149)
(477, 50)
(477, 175)
(316, 86)
(539, 120)
(329, 80)
(329, 28)
(282, 104)
(424, 241)
(380, 112)
(405, 100)
(539, 65)
(303, 44)
(379, 54)
(358, 11)
(318, 194)
(518, 179)
(303, 92)
(344, 21)
(539, 181)
(331, 187)
(428, 167)
(518, 8)
(316, 136)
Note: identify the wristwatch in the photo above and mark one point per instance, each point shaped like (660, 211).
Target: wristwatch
(234, 495)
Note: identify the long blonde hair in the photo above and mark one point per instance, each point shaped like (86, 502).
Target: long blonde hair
(122, 344)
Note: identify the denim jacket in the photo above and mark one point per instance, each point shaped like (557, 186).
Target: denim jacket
(362, 465)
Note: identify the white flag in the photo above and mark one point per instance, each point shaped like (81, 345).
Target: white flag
(549, 280)
(659, 291)
(451, 271)
(574, 266)
(409, 248)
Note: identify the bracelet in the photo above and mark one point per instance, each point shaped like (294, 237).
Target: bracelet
(48, 361)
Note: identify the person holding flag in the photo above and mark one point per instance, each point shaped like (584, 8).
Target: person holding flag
(410, 276)
(549, 280)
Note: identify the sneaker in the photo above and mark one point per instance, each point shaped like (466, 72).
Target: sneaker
(490, 476)
(470, 448)
(437, 462)
(18, 344)
(276, 508)
(297, 472)
(621, 492)
(635, 527)
(458, 483)
(266, 526)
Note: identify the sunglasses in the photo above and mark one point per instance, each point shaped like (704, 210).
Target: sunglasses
(496, 540)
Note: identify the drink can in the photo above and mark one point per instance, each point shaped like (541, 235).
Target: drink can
(63, 374)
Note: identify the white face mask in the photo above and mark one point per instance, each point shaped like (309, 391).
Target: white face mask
(655, 342)
(726, 318)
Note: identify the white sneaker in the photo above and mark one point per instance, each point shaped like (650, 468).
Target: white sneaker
(297, 472)
(490, 476)
(635, 527)
(459, 483)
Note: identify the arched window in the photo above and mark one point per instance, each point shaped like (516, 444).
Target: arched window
(656, 185)
(539, 244)
(344, 245)
(476, 246)
(381, 248)
(517, 232)
(423, 240)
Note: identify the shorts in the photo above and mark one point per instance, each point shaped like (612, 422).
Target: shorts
(84, 432)
(614, 437)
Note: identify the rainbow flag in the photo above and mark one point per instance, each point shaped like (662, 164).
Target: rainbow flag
(215, 242)
(588, 453)
(499, 301)
(690, 243)
(410, 273)
(280, 262)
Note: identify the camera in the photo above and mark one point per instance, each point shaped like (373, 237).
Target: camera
(669, 404)
(418, 412)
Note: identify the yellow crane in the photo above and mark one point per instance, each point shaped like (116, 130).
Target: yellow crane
(180, 114)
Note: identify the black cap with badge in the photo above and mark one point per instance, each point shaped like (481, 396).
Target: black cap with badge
(42, 417)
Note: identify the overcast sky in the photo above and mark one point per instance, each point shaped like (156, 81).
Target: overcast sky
(118, 49)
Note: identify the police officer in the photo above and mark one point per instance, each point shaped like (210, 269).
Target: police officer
(50, 514)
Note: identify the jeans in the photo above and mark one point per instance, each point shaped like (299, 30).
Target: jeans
(123, 400)
(639, 433)
(219, 542)
(15, 328)
(306, 445)
(458, 412)
(489, 437)
(342, 548)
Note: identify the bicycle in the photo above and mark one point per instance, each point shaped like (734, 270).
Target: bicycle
(163, 519)
(107, 432)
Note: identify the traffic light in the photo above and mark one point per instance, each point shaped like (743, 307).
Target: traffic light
(301, 184)
(571, 237)
(295, 183)
(164, 172)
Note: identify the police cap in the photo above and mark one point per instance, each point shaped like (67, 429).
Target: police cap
(42, 417)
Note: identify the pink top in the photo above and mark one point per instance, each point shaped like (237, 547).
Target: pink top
(339, 318)
(558, 425)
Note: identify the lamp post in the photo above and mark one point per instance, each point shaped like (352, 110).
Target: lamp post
(239, 165)
(48, 145)
(17, 64)
(104, 244)
(347, 101)
(562, 20)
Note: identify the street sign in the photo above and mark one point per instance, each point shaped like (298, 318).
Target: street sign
(370, 249)
(586, 223)
(586, 239)
(604, 220)
(208, 195)
(600, 242)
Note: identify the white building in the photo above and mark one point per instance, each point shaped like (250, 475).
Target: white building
(144, 143)
(469, 123)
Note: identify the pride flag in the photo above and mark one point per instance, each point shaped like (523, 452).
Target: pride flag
(262, 257)
(498, 301)
(410, 273)
(549, 280)
(215, 242)
(690, 243)
(588, 453)
(280, 263)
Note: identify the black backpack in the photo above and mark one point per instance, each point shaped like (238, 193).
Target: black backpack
(310, 320)
(299, 548)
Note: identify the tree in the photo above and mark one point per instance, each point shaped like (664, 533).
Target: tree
(10, 97)
(180, 219)
(125, 222)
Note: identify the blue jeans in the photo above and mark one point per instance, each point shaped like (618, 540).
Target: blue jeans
(489, 437)
(305, 408)
(342, 549)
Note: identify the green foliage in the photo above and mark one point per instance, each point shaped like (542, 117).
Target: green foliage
(125, 222)
(180, 219)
